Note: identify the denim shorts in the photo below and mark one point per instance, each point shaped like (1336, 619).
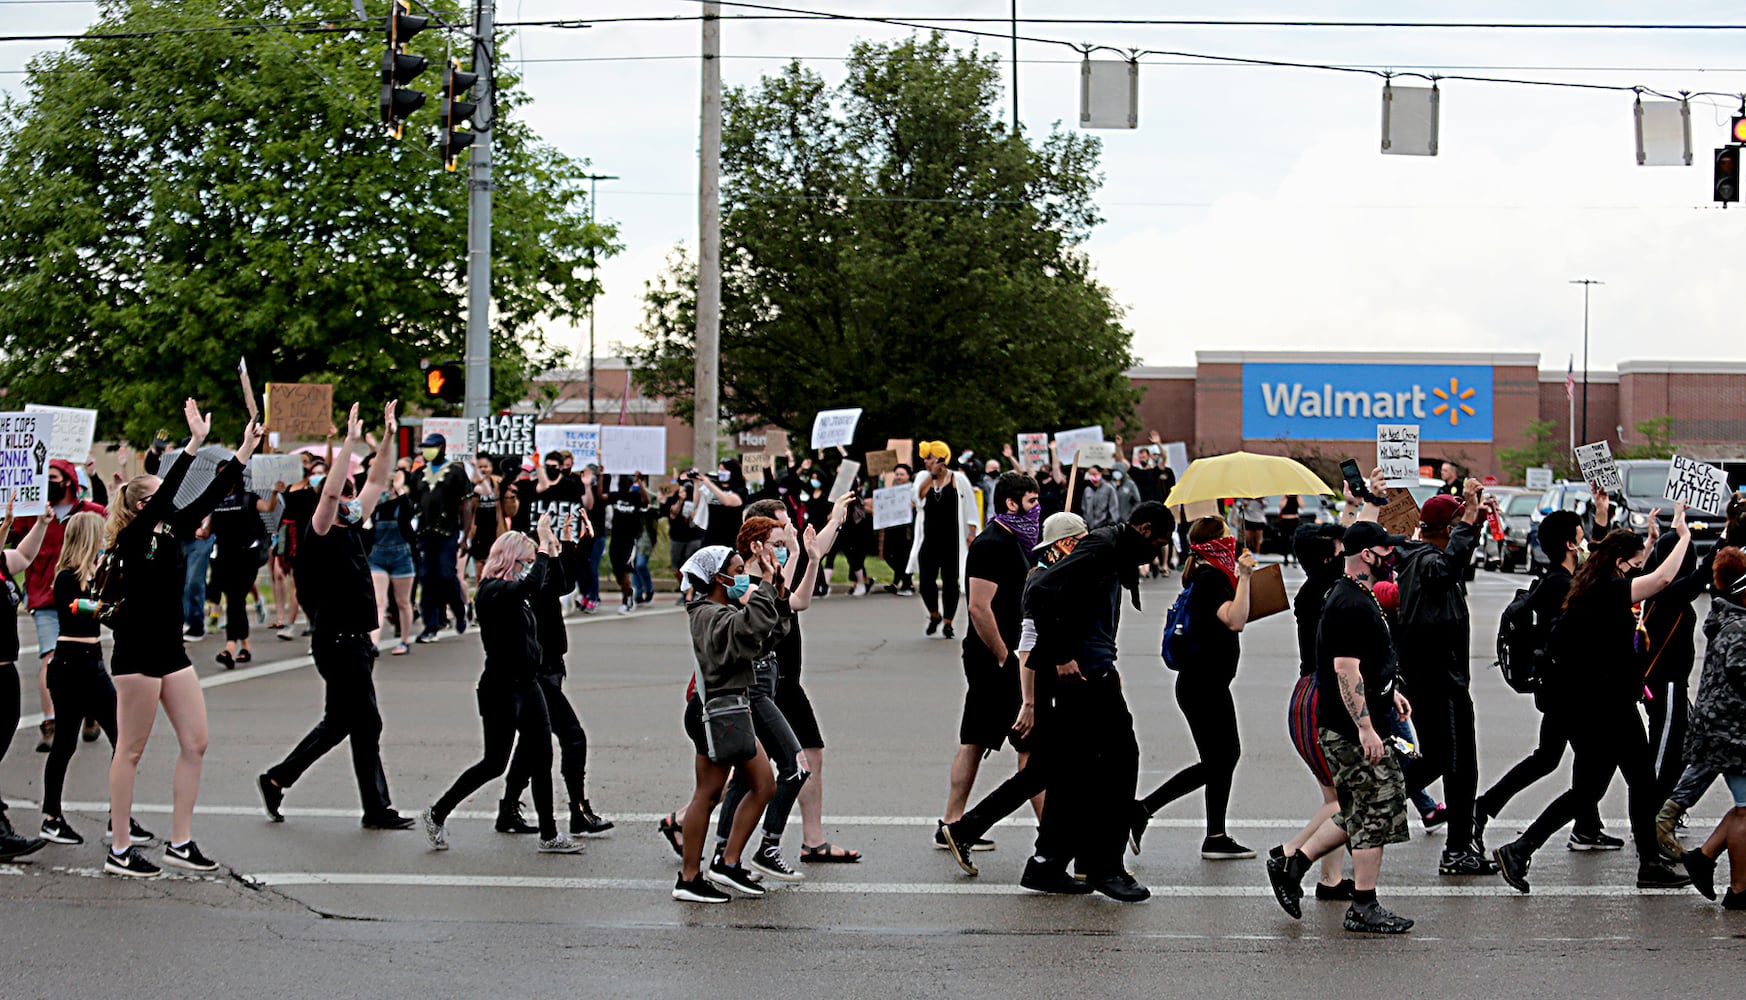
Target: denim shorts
(394, 560)
(48, 630)
(1737, 785)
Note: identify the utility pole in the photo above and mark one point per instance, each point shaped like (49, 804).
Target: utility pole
(591, 179)
(1015, 111)
(478, 397)
(707, 395)
(1586, 284)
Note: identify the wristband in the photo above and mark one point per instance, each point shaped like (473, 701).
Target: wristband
(86, 606)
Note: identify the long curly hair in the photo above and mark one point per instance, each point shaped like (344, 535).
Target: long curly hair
(1604, 557)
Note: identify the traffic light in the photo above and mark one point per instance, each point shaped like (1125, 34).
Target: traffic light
(445, 382)
(1739, 129)
(457, 111)
(399, 67)
(1727, 177)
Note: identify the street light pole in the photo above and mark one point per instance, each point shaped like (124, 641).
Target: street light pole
(707, 373)
(592, 178)
(1015, 105)
(1586, 284)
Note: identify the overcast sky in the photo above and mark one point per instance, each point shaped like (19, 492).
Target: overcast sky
(1252, 208)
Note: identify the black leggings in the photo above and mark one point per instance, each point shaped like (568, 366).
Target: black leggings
(81, 689)
(233, 582)
(1604, 740)
(11, 709)
(1443, 719)
(780, 744)
(572, 746)
(507, 711)
(1212, 720)
(939, 559)
(1542, 762)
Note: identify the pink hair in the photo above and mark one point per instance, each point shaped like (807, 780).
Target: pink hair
(510, 548)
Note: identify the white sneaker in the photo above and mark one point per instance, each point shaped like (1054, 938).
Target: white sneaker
(437, 833)
(561, 844)
(626, 608)
(859, 591)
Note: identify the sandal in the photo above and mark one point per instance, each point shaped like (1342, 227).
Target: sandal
(672, 829)
(829, 853)
(244, 656)
(400, 649)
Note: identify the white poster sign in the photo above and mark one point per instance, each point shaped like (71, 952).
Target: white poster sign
(1101, 454)
(506, 434)
(1397, 453)
(1698, 486)
(24, 458)
(460, 433)
(1033, 452)
(893, 507)
(846, 474)
(1176, 457)
(625, 450)
(265, 470)
(1598, 469)
(833, 428)
(73, 431)
(582, 441)
(1067, 442)
(1539, 478)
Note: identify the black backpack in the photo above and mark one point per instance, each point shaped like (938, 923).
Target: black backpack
(1523, 643)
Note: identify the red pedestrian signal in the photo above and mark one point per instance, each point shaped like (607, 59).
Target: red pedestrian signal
(444, 382)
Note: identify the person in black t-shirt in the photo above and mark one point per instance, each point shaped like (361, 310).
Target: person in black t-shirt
(333, 579)
(629, 503)
(1355, 656)
(996, 566)
(565, 498)
(441, 491)
(297, 506)
(242, 549)
(1218, 596)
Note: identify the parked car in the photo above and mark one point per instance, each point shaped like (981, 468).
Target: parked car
(1563, 495)
(1311, 509)
(1511, 551)
(1645, 483)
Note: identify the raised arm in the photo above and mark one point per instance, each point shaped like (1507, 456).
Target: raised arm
(327, 505)
(383, 465)
(1234, 613)
(1650, 584)
(28, 546)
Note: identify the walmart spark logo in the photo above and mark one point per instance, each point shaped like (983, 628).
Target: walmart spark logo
(1452, 402)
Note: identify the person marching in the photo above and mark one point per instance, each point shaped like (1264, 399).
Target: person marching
(334, 584)
(39, 582)
(12, 843)
(629, 505)
(148, 662)
(440, 491)
(945, 525)
(391, 567)
(243, 547)
(1717, 739)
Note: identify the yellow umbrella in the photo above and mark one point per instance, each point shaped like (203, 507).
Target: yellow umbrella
(1243, 474)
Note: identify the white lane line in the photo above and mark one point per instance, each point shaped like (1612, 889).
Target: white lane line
(297, 663)
(959, 888)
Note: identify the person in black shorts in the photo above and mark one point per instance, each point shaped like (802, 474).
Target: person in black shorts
(996, 567)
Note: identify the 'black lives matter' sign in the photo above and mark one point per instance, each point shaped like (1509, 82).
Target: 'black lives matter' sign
(507, 434)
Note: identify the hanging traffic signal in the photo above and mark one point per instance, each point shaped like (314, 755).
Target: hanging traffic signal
(1738, 131)
(1727, 176)
(457, 111)
(445, 382)
(399, 67)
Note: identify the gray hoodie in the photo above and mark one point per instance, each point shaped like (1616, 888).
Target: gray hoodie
(728, 638)
(1717, 739)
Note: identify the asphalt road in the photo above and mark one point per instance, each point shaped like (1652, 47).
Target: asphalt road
(319, 907)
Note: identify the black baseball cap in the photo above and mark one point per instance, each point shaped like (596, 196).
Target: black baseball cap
(1361, 535)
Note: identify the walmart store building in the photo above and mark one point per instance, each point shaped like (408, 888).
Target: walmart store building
(1467, 406)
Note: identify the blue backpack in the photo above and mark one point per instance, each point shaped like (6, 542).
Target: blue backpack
(1179, 645)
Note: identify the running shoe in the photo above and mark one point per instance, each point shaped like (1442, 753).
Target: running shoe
(129, 864)
(1732, 900)
(1655, 875)
(1593, 842)
(271, 796)
(1435, 818)
(860, 590)
(1121, 887)
(1223, 848)
(948, 631)
(1286, 889)
(698, 890)
(388, 820)
(1701, 868)
(1371, 917)
(425, 637)
(890, 588)
(585, 822)
(1513, 860)
(769, 860)
(1340, 891)
(188, 856)
(733, 877)
(58, 831)
(626, 608)
(1041, 876)
(979, 844)
(589, 607)
(435, 832)
(933, 626)
(1464, 863)
(135, 833)
(560, 843)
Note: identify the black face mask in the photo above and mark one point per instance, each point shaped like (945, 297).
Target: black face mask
(1137, 548)
(57, 492)
(552, 472)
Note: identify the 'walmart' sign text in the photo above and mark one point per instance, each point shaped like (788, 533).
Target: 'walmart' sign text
(1343, 402)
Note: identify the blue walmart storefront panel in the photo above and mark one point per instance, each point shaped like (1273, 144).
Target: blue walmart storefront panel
(1345, 402)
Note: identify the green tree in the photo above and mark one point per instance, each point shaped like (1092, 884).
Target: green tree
(891, 244)
(1543, 450)
(176, 201)
(1656, 437)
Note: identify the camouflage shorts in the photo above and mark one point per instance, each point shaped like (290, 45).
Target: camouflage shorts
(1372, 796)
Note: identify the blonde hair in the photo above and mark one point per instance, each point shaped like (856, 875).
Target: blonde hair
(510, 548)
(122, 510)
(81, 545)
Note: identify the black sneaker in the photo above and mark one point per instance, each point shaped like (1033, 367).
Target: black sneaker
(57, 831)
(1513, 860)
(90, 731)
(1223, 848)
(1286, 889)
(1464, 863)
(225, 660)
(1655, 875)
(733, 877)
(1594, 842)
(129, 864)
(1435, 819)
(389, 820)
(1121, 887)
(933, 625)
(12, 845)
(271, 796)
(1041, 876)
(698, 890)
(188, 856)
(960, 853)
(585, 822)
(769, 860)
(509, 819)
(1732, 900)
(135, 833)
(1702, 869)
(1479, 821)
(1137, 828)
(1371, 917)
(979, 844)
(1340, 891)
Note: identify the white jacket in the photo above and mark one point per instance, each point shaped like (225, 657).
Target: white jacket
(968, 520)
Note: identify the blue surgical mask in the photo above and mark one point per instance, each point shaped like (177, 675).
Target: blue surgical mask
(742, 583)
(352, 511)
(781, 555)
(315, 480)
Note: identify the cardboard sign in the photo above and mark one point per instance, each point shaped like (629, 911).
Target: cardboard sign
(1698, 486)
(1397, 453)
(1598, 468)
(265, 470)
(300, 411)
(72, 431)
(1099, 454)
(1539, 478)
(775, 442)
(754, 465)
(582, 441)
(1033, 451)
(1067, 442)
(847, 473)
(835, 428)
(1400, 516)
(1267, 592)
(506, 434)
(633, 449)
(248, 389)
(24, 459)
(881, 462)
(893, 507)
(1192, 512)
(905, 448)
(461, 435)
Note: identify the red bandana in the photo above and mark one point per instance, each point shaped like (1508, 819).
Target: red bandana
(1220, 552)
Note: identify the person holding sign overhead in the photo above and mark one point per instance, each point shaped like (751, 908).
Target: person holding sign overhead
(943, 533)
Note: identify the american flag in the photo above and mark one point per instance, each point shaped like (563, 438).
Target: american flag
(1570, 380)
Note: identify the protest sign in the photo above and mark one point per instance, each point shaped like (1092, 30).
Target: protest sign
(846, 475)
(265, 470)
(893, 507)
(1192, 512)
(1598, 469)
(1101, 454)
(506, 434)
(881, 462)
(1539, 478)
(905, 448)
(461, 434)
(633, 449)
(1400, 516)
(754, 465)
(71, 433)
(24, 458)
(1067, 442)
(1698, 486)
(1176, 457)
(582, 441)
(300, 411)
(1397, 453)
(775, 442)
(248, 388)
(834, 428)
(1033, 451)
(1267, 594)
